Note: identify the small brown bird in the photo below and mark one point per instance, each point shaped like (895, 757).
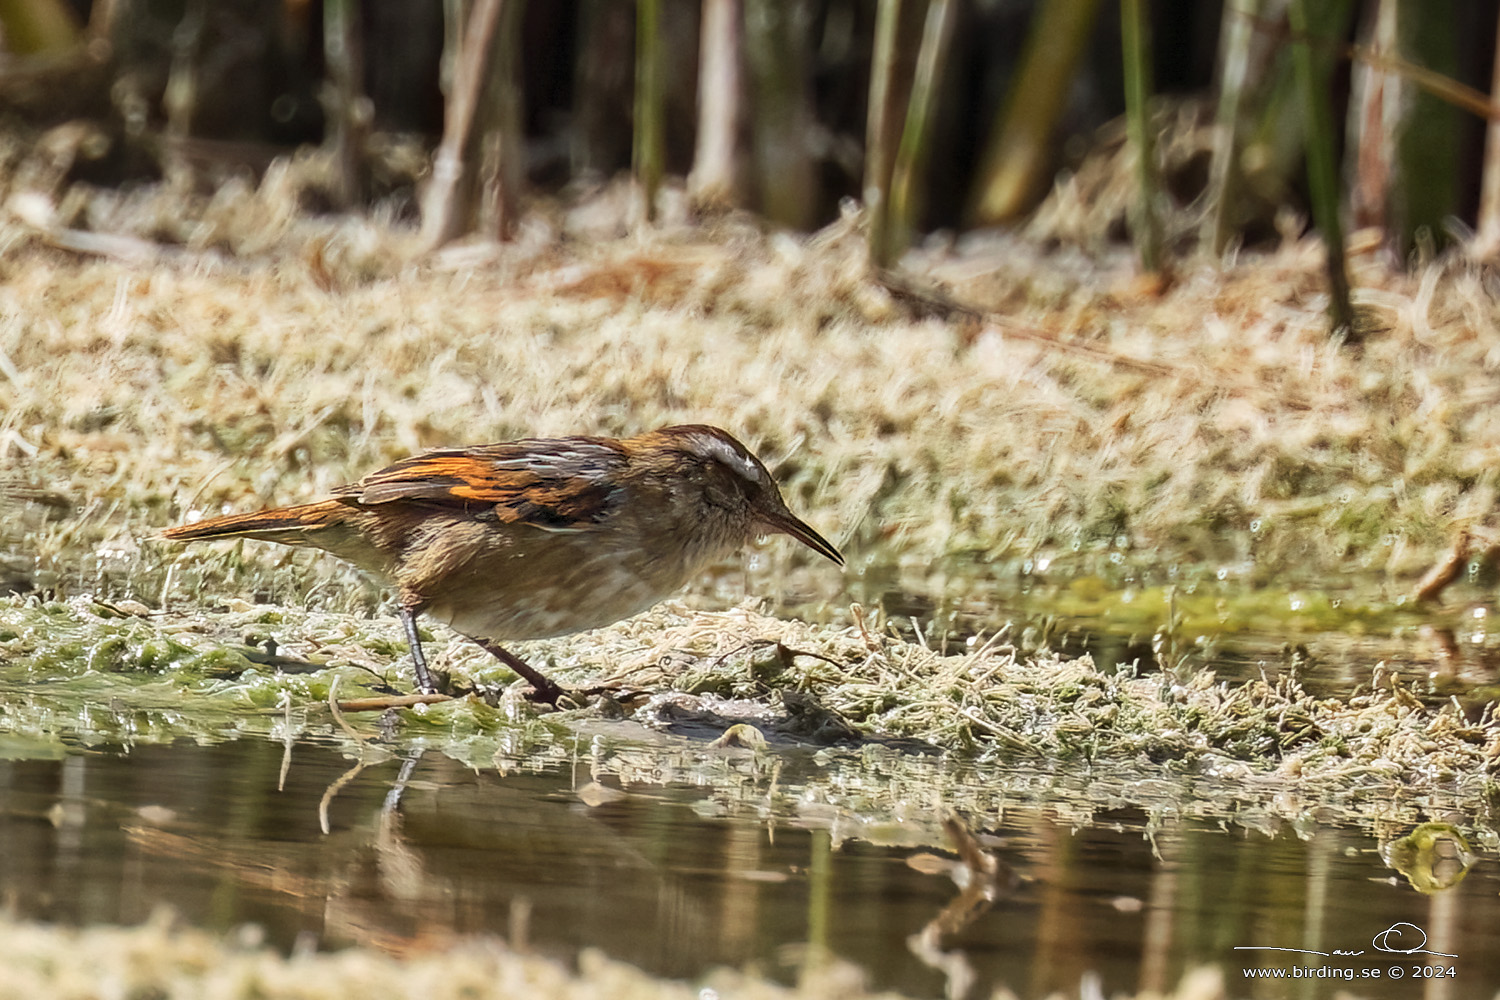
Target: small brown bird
(541, 537)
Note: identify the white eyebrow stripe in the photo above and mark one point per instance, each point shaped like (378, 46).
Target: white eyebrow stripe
(724, 452)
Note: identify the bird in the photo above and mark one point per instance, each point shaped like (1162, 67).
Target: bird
(539, 537)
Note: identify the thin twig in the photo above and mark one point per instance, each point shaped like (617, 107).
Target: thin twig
(332, 791)
(286, 752)
(1005, 735)
(376, 703)
(1436, 580)
(338, 716)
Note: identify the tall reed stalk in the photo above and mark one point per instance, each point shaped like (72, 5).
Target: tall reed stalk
(1489, 192)
(451, 196)
(649, 151)
(779, 55)
(881, 134)
(1018, 158)
(718, 157)
(1135, 36)
(909, 173)
(344, 103)
(1312, 70)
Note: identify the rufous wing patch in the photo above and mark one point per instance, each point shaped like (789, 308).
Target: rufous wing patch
(521, 483)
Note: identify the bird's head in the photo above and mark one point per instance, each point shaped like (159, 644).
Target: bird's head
(733, 479)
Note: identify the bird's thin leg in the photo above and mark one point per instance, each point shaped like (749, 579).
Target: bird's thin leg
(418, 661)
(545, 690)
(393, 797)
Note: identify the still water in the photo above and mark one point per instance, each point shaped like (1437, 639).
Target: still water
(660, 872)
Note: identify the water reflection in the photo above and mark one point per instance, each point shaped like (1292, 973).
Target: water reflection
(982, 878)
(1434, 857)
(660, 873)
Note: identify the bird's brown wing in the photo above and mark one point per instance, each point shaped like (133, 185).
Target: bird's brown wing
(562, 484)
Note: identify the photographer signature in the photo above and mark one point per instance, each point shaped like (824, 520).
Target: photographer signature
(1390, 940)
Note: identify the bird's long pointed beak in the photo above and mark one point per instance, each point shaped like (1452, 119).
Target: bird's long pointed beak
(788, 523)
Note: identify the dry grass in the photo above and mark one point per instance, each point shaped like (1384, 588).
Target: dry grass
(238, 353)
(1258, 444)
(160, 960)
(162, 351)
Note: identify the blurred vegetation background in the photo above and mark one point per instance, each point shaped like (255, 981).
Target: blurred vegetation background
(939, 116)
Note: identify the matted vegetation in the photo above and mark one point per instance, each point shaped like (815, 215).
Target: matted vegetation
(1186, 746)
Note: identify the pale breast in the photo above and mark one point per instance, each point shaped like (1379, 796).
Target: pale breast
(537, 585)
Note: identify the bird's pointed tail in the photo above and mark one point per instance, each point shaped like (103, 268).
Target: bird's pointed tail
(287, 525)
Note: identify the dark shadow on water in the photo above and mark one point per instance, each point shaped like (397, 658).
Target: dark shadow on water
(556, 861)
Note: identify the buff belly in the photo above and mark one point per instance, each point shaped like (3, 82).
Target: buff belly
(590, 592)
